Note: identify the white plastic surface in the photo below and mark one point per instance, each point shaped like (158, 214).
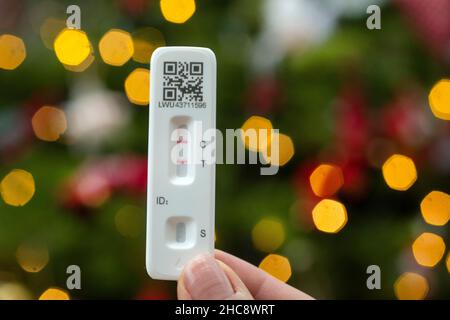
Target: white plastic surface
(181, 193)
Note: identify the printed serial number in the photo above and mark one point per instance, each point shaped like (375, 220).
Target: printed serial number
(182, 105)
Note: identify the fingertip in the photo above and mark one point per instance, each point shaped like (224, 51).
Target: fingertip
(205, 277)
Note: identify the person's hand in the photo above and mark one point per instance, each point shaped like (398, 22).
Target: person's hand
(225, 277)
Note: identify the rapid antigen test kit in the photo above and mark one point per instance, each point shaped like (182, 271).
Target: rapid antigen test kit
(181, 180)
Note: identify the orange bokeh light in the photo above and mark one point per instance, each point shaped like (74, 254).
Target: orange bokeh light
(49, 123)
(326, 180)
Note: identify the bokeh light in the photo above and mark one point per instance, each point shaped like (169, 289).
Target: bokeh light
(32, 257)
(439, 99)
(129, 220)
(17, 187)
(145, 41)
(277, 266)
(411, 286)
(284, 150)
(447, 262)
(177, 11)
(49, 30)
(435, 208)
(81, 67)
(137, 86)
(14, 291)
(399, 172)
(116, 47)
(72, 47)
(54, 294)
(257, 133)
(49, 123)
(329, 216)
(12, 52)
(96, 116)
(326, 180)
(268, 235)
(428, 249)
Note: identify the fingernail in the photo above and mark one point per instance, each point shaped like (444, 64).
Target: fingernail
(204, 279)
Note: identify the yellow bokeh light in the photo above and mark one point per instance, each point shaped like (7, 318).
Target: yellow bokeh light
(116, 47)
(329, 216)
(281, 150)
(326, 180)
(72, 47)
(146, 40)
(17, 187)
(439, 99)
(49, 123)
(428, 249)
(447, 262)
(128, 221)
(49, 31)
(32, 257)
(54, 294)
(277, 266)
(257, 133)
(399, 172)
(435, 208)
(12, 52)
(81, 67)
(411, 286)
(137, 86)
(268, 235)
(177, 11)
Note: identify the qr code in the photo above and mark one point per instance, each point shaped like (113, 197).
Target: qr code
(183, 81)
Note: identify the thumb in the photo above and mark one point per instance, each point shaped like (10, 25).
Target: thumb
(205, 278)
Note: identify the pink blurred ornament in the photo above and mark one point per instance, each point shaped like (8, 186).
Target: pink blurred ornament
(405, 121)
(353, 131)
(355, 177)
(97, 180)
(431, 20)
(352, 127)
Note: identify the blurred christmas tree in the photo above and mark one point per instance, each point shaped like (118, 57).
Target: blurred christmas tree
(343, 94)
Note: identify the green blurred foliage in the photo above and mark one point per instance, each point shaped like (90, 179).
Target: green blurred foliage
(381, 226)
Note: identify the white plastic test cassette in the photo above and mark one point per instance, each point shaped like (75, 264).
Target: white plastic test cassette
(181, 173)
